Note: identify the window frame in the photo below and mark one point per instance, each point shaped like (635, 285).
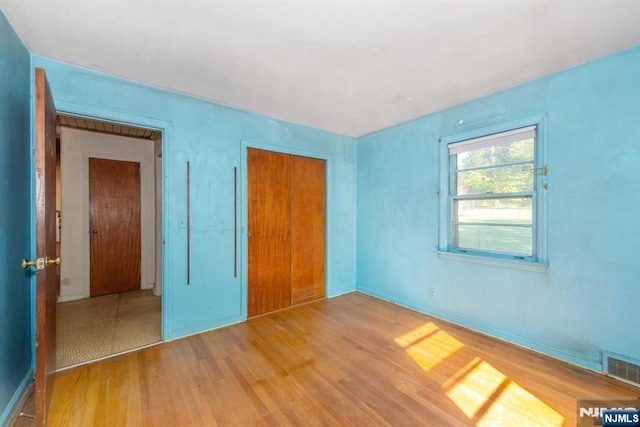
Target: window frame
(538, 261)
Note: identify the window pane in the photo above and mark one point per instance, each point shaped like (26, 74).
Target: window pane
(517, 210)
(505, 179)
(512, 240)
(495, 155)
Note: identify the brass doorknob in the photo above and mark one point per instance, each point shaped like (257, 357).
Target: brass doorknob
(26, 263)
(38, 263)
(55, 261)
(94, 231)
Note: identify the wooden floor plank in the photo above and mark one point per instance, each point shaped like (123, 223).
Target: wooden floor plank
(350, 360)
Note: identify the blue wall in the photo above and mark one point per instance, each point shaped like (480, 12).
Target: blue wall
(587, 300)
(15, 208)
(213, 138)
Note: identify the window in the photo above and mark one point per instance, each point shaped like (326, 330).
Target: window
(492, 187)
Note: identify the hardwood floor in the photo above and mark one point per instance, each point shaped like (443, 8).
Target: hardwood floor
(351, 360)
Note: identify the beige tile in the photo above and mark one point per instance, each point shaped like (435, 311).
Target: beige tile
(96, 327)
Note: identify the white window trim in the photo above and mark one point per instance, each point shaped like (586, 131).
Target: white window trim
(500, 138)
(487, 136)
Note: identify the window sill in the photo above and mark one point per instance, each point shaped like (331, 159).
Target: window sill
(515, 264)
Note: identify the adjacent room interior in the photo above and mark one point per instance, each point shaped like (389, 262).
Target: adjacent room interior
(109, 298)
(331, 213)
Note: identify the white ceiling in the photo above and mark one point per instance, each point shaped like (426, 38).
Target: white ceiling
(349, 66)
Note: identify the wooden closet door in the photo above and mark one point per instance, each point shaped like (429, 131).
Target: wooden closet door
(308, 224)
(269, 234)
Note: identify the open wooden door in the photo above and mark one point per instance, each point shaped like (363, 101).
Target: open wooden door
(45, 210)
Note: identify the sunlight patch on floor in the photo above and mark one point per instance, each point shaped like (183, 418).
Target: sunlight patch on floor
(428, 345)
(416, 335)
(472, 391)
(515, 406)
(483, 393)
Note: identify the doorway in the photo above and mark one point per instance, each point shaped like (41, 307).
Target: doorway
(110, 283)
(286, 230)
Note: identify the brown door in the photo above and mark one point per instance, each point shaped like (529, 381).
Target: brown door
(45, 211)
(286, 203)
(307, 208)
(114, 226)
(269, 221)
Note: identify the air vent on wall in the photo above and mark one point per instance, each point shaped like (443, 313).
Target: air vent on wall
(621, 367)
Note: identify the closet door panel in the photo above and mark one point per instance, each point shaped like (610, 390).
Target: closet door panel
(308, 229)
(269, 231)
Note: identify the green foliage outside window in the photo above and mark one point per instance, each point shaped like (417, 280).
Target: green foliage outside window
(497, 172)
